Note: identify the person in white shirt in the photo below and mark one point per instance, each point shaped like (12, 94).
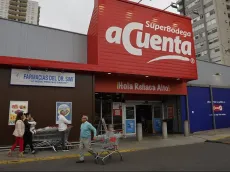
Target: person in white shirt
(62, 127)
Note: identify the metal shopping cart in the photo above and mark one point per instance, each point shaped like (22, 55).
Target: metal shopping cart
(109, 143)
(49, 137)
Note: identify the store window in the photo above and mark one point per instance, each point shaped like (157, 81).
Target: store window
(104, 109)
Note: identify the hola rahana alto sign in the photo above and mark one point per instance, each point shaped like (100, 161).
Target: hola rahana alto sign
(42, 78)
(141, 40)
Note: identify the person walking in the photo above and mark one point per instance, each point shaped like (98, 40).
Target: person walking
(85, 138)
(18, 133)
(28, 136)
(62, 127)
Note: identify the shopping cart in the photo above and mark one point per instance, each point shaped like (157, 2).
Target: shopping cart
(109, 143)
(49, 137)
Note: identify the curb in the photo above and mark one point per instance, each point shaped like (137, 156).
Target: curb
(217, 140)
(49, 158)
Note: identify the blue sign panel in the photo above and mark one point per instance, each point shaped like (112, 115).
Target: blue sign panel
(200, 109)
(157, 124)
(221, 106)
(130, 126)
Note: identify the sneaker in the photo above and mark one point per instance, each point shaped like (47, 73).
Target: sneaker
(65, 150)
(80, 161)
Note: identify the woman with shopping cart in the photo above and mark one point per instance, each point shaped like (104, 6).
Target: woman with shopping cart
(85, 138)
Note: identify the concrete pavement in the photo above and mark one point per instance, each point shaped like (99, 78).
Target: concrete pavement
(126, 145)
(195, 157)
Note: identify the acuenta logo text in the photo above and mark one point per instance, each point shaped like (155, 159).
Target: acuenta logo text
(117, 35)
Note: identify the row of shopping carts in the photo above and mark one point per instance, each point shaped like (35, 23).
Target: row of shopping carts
(49, 137)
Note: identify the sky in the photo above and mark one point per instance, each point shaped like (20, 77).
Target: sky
(74, 15)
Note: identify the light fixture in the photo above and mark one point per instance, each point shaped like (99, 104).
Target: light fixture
(29, 68)
(178, 79)
(109, 73)
(146, 76)
(46, 70)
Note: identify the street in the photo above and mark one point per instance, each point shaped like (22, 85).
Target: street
(204, 156)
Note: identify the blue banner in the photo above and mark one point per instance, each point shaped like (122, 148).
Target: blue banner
(221, 107)
(157, 124)
(130, 126)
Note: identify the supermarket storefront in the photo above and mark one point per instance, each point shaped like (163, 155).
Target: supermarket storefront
(126, 101)
(138, 62)
(150, 56)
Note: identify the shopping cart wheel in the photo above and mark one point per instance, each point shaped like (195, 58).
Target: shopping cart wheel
(103, 162)
(96, 160)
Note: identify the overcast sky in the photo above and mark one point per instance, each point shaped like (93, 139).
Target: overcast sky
(74, 15)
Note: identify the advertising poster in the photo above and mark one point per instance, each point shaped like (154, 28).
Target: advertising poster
(170, 112)
(130, 126)
(117, 109)
(64, 108)
(157, 124)
(16, 106)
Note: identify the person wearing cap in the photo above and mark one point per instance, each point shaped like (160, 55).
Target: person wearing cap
(85, 138)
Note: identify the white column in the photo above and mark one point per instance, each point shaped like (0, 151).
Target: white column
(139, 132)
(186, 128)
(164, 130)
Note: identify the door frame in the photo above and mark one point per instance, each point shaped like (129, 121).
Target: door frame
(124, 118)
(133, 103)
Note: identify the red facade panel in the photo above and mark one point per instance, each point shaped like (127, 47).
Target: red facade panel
(135, 39)
(135, 85)
(93, 37)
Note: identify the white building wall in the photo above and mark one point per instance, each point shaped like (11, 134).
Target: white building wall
(4, 7)
(32, 12)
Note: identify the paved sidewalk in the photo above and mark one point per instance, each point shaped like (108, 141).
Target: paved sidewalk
(213, 135)
(126, 145)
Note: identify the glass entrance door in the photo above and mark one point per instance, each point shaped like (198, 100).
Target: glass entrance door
(157, 118)
(130, 119)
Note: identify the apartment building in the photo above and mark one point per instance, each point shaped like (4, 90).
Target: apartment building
(20, 10)
(211, 27)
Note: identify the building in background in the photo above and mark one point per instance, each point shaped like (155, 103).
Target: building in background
(20, 10)
(211, 27)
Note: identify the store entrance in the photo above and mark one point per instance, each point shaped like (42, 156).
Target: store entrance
(144, 116)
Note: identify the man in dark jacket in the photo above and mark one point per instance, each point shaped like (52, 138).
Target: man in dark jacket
(28, 137)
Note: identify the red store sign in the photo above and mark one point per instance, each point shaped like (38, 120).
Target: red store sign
(123, 85)
(135, 39)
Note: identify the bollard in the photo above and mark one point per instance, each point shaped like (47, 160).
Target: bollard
(186, 128)
(139, 132)
(123, 131)
(164, 130)
(110, 127)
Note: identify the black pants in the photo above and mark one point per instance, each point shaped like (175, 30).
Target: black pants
(28, 139)
(62, 141)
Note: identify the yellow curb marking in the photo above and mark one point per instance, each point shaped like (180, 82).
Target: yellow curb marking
(19, 161)
(219, 138)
